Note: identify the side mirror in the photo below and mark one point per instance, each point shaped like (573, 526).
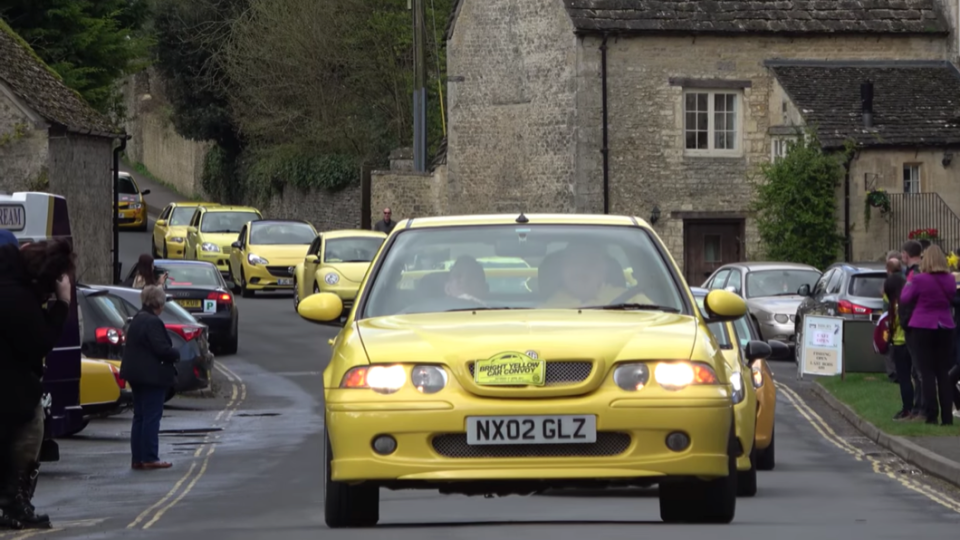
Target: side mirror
(755, 350)
(312, 259)
(145, 192)
(804, 290)
(778, 349)
(324, 308)
(235, 245)
(191, 229)
(161, 222)
(723, 306)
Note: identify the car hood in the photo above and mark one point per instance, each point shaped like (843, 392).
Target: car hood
(352, 272)
(224, 240)
(455, 338)
(290, 255)
(775, 304)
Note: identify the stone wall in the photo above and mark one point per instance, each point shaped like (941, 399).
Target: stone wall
(80, 170)
(23, 150)
(408, 194)
(327, 211)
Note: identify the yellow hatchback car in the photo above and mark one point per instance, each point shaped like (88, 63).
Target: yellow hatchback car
(336, 263)
(581, 382)
(131, 207)
(213, 230)
(170, 230)
(102, 391)
(264, 257)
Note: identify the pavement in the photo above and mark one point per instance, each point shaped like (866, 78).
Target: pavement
(247, 466)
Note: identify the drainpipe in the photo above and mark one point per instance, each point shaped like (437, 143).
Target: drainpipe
(848, 239)
(116, 205)
(605, 149)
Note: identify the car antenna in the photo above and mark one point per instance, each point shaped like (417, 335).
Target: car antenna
(522, 218)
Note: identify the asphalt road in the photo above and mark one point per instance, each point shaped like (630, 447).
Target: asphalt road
(247, 466)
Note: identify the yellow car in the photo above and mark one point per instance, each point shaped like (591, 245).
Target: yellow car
(131, 207)
(264, 257)
(102, 391)
(336, 263)
(170, 230)
(584, 381)
(212, 231)
(747, 332)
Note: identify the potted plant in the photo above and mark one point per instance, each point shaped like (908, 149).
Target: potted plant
(924, 234)
(876, 198)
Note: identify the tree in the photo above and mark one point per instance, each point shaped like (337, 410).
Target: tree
(92, 44)
(796, 204)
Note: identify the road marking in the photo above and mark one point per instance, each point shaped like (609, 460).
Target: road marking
(20, 535)
(165, 497)
(825, 431)
(186, 491)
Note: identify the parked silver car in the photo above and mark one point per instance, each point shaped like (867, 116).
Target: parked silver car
(771, 290)
(850, 290)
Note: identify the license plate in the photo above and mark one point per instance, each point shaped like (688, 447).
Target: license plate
(120, 215)
(558, 429)
(509, 368)
(189, 303)
(285, 281)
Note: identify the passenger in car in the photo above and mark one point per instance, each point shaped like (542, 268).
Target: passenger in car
(585, 277)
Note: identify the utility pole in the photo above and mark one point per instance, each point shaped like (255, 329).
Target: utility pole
(419, 88)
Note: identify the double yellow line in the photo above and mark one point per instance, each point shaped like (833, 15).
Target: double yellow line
(23, 535)
(879, 467)
(149, 517)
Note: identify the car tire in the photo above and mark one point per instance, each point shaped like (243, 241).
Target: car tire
(345, 505)
(699, 501)
(233, 341)
(244, 291)
(230, 277)
(83, 425)
(766, 458)
(747, 480)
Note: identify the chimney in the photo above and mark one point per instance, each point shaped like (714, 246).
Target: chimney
(866, 101)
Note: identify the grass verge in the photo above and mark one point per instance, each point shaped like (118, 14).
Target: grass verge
(874, 398)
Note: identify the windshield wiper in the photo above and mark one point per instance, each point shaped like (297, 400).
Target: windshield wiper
(628, 306)
(221, 232)
(484, 308)
(355, 260)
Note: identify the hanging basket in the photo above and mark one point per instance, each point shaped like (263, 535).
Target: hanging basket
(876, 198)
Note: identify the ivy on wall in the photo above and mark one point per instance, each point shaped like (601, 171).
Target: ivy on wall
(266, 171)
(19, 132)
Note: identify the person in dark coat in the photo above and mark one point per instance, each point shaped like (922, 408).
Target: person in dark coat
(149, 365)
(29, 330)
(386, 224)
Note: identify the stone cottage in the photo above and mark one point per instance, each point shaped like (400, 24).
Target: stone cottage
(664, 109)
(52, 140)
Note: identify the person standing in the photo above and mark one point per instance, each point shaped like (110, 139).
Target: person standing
(894, 267)
(31, 323)
(149, 365)
(931, 328)
(892, 288)
(147, 273)
(386, 224)
(911, 255)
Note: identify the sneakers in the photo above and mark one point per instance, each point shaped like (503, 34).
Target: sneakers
(902, 416)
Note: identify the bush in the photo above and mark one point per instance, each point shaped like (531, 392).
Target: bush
(268, 170)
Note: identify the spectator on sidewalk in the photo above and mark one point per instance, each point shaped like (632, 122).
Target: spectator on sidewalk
(931, 328)
(148, 273)
(894, 268)
(386, 224)
(892, 288)
(911, 255)
(149, 365)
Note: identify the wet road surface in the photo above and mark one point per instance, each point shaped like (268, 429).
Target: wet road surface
(247, 466)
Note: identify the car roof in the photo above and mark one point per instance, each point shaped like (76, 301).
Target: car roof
(266, 221)
(221, 208)
(344, 233)
(764, 265)
(864, 267)
(194, 203)
(511, 219)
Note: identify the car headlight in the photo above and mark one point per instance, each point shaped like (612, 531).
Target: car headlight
(679, 375)
(737, 383)
(256, 259)
(135, 206)
(428, 379)
(382, 379)
(781, 318)
(212, 248)
(757, 373)
(175, 239)
(632, 377)
(331, 278)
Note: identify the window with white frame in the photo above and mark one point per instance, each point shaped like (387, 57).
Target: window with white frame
(779, 147)
(911, 178)
(711, 122)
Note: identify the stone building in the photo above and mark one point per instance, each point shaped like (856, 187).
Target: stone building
(664, 109)
(51, 140)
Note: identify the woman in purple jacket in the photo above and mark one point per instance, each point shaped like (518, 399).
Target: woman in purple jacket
(931, 292)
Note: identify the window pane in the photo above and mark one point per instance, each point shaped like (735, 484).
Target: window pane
(702, 102)
(702, 139)
(691, 139)
(691, 102)
(720, 140)
(702, 121)
(719, 103)
(720, 121)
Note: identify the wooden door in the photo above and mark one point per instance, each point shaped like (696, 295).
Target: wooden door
(708, 245)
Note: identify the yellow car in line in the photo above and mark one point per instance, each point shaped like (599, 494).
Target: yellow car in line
(102, 391)
(170, 229)
(747, 332)
(336, 262)
(264, 257)
(213, 230)
(582, 382)
(131, 207)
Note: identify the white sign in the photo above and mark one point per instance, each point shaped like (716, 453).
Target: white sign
(13, 217)
(209, 306)
(821, 349)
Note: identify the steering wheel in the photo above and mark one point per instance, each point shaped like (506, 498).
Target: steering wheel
(626, 295)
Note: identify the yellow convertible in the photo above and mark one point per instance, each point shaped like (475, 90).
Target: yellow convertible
(336, 263)
(583, 381)
(264, 257)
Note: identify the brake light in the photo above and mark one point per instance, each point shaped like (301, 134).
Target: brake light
(111, 336)
(221, 297)
(116, 375)
(186, 331)
(849, 308)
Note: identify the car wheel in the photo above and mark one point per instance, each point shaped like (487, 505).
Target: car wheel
(170, 393)
(236, 284)
(747, 480)
(345, 505)
(244, 291)
(698, 501)
(83, 425)
(766, 458)
(233, 342)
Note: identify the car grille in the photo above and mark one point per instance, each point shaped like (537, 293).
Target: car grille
(560, 373)
(454, 445)
(280, 271)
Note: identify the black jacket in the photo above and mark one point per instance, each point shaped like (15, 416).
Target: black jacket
(385, 226)
(149, 358)
(28, 332)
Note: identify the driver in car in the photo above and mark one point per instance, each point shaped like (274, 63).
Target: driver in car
(584, 280)
(467, 280)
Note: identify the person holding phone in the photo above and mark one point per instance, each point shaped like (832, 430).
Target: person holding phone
(148, 273)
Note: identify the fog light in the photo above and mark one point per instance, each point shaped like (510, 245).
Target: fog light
(678, 441)
(384, 445)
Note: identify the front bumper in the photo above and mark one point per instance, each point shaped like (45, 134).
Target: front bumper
(784, 332)
(267, 278)
(431, 439)
(133, 218)
(175, 250)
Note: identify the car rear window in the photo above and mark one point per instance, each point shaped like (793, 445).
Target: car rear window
(867, 285)
(183, 276)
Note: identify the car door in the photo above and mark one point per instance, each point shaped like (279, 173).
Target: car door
(735, 281)
(718, 280)
(809, 304)
(160, 228)
(827, 304)
(236, 253)
(311, 262)
(193, 235)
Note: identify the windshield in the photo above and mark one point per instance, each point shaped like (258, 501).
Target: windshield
(867, 285)
(125, 186)
(181, 216)
(742, 327)
(226, 222)
(281, 234)
(180, 276)
(779, 282)
(567, 267)
(355, 249)
(719, 330)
